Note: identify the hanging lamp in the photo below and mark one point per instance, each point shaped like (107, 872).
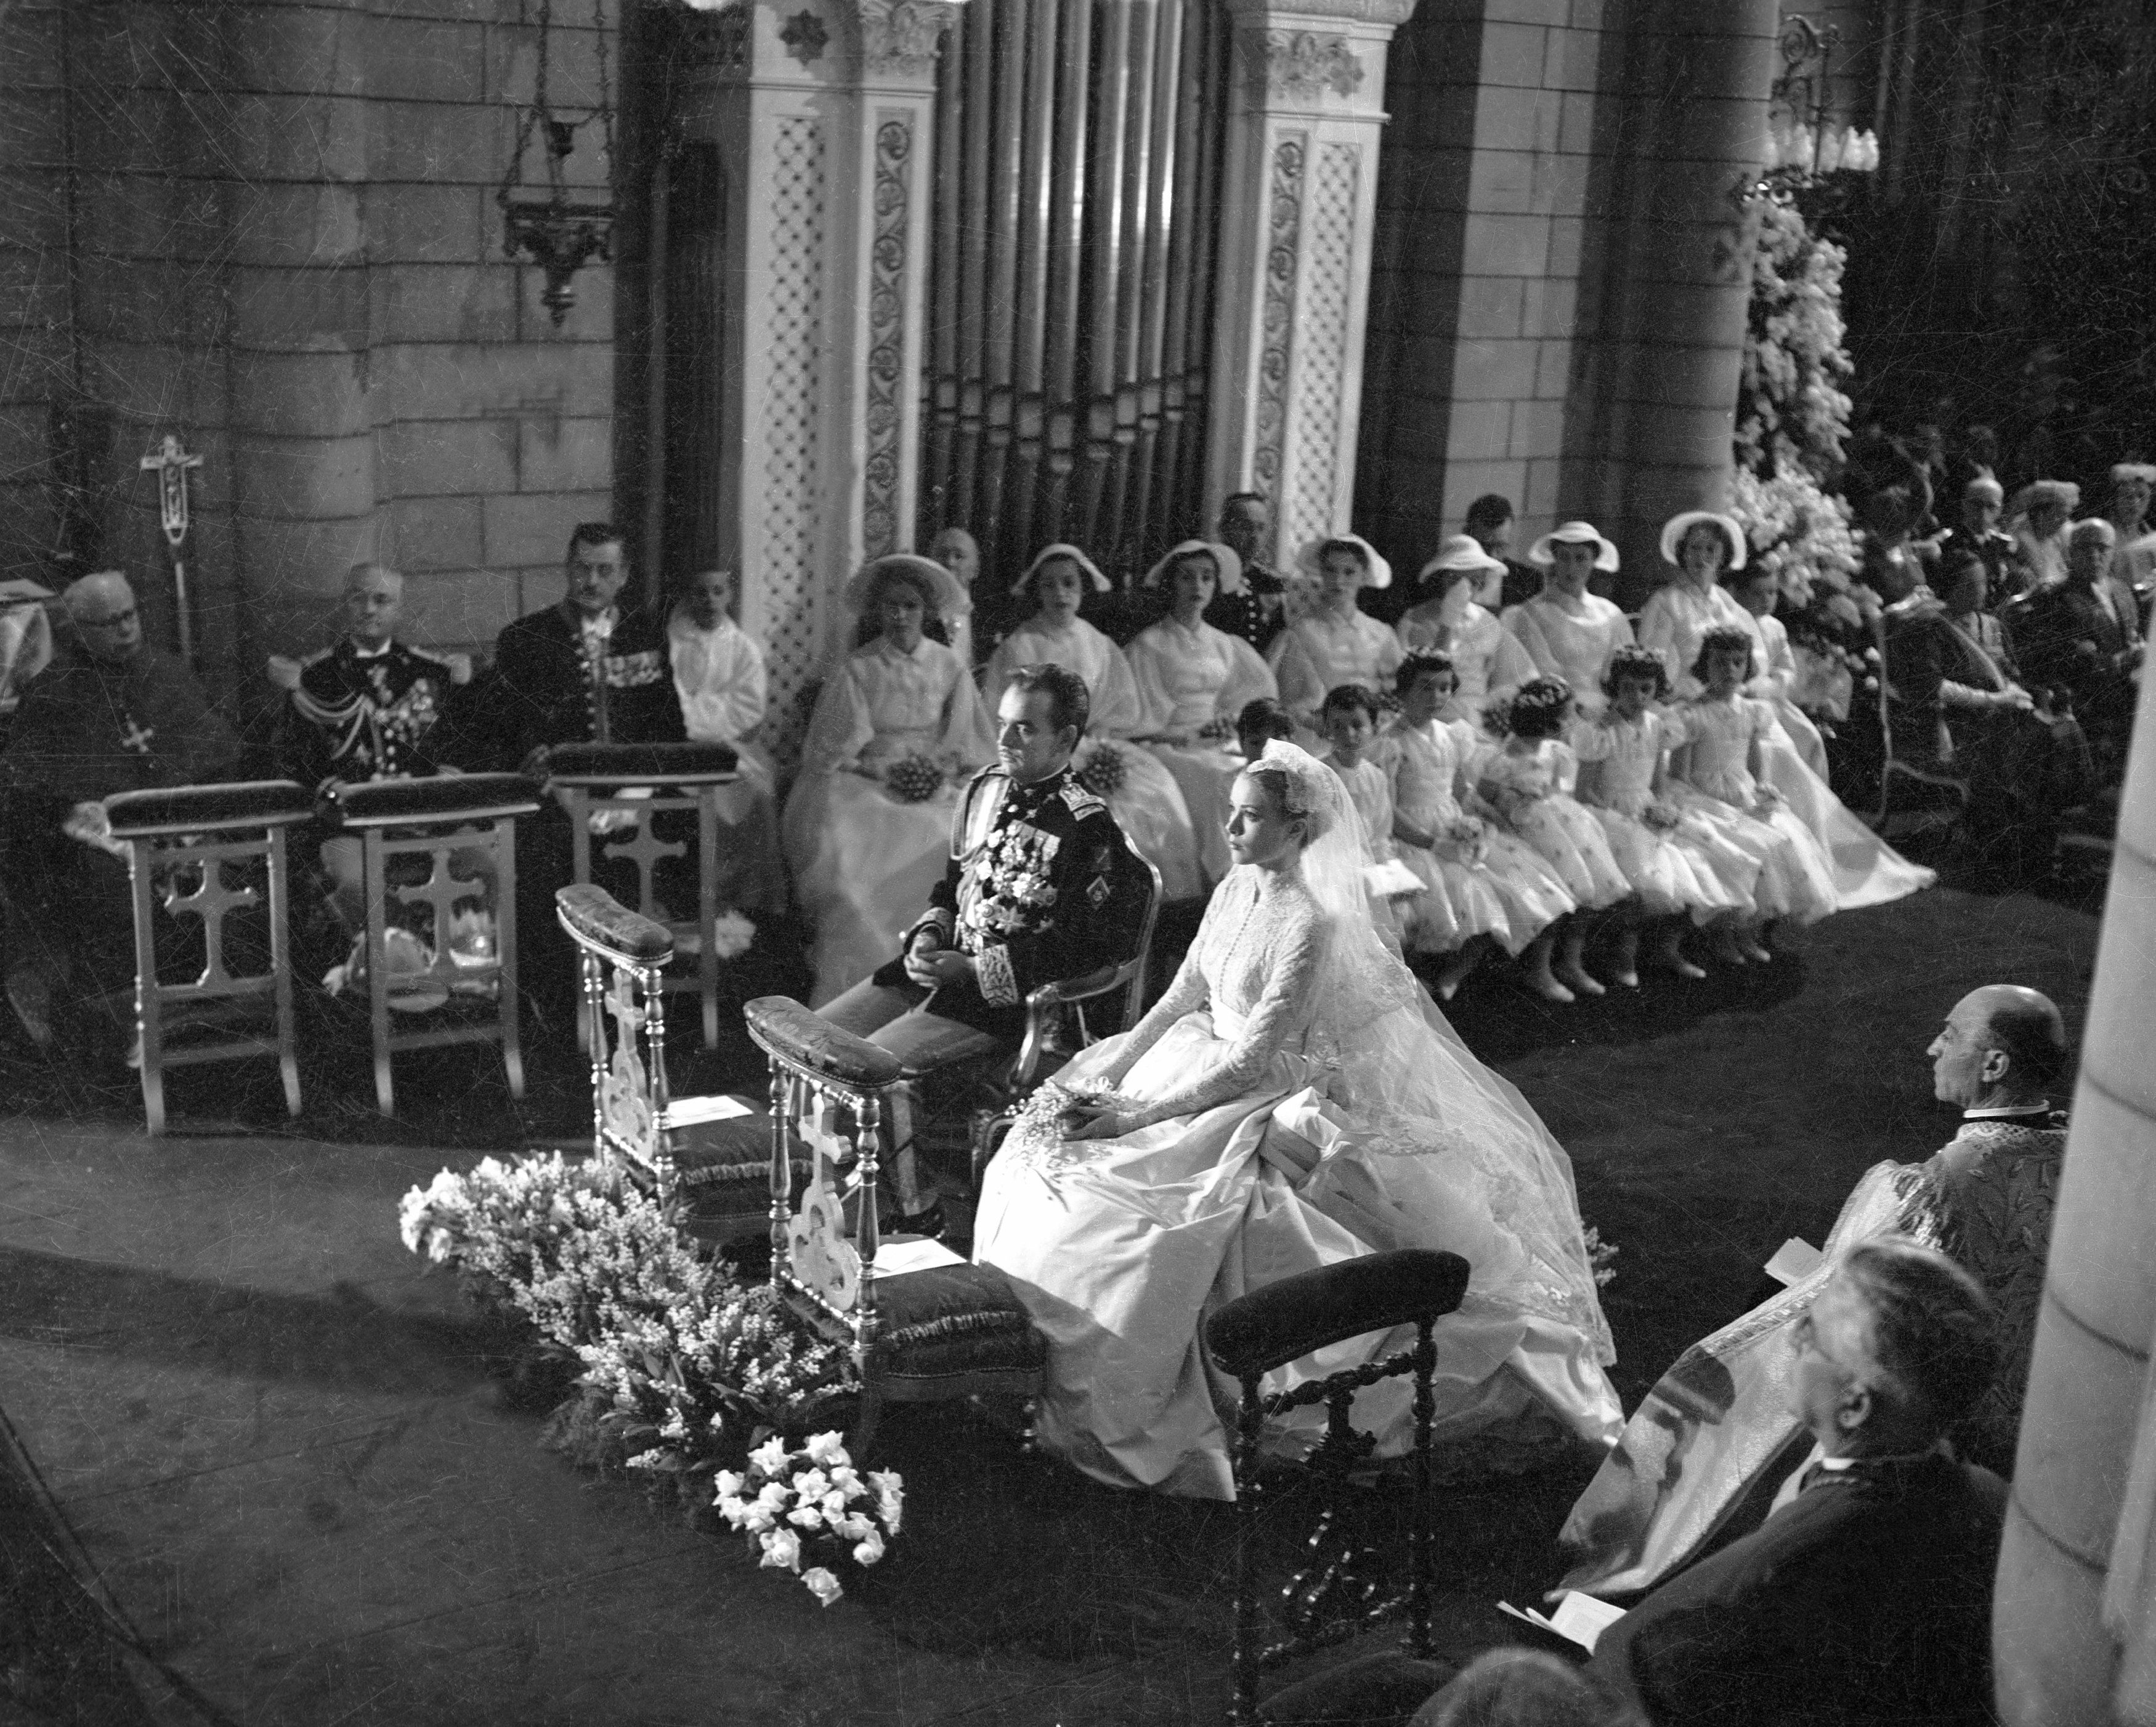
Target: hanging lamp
(559, 233)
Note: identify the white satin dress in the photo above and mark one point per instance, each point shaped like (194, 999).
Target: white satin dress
(1121, 1247)
(1189, 679)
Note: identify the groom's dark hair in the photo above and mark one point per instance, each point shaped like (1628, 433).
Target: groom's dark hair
(1068, 702)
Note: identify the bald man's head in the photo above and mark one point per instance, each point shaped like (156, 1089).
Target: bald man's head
(101, 607)
(2002, 1045)
(373, 603)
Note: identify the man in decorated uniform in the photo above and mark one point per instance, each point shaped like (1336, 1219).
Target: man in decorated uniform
(109, 715)
(1041, 885)
(588, 670)
(371, 708)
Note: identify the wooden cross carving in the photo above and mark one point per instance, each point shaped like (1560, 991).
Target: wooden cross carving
(210, 901)
(443, 893)
(644, 847)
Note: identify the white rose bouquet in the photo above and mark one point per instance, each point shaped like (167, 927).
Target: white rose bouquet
(801, 1505)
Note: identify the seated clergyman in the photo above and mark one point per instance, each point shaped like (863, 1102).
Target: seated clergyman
(1865, 1597)
(1041, 885)
(109, 715)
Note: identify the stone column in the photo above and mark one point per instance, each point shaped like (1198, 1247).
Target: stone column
(1297, 221)
(824, 111)
(1655, 398)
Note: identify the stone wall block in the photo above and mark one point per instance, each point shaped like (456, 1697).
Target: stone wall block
(573, 65)
(130, 216)
(1567, 236)
(435, 532)
(488, 11)
(1560, 183)
(33, 212)
(429, 224)
(1529, 12)
(434, 143)
(1571, 60)
(291, 610)
(1426, 367)
(427, 60)
(435, 458)
(1507, 245)
(1587, 14)
(1481, 430)
(1490, 307)
(462, 610)
(453, 381)
(534, 528)
(1466, 481)
(1548, 306)
(1512, 54)
(1498, 118)
(283, 224)
(23, 451)
(301, 50)
(442, 302)
(1538, 431)
(303, 478)
(1494, 371)
(283, 137)
(1553, 370)
(1575, 135)
(300, 310)
(154, 302)
(563, 455)
(159, 382)
(33, 293)
(318, 393)
(1501, 182)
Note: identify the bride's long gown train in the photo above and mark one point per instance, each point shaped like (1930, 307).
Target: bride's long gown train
(1295, 1143)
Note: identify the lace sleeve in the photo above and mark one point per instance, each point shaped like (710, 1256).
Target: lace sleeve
(1185, 994)
(1292, 964)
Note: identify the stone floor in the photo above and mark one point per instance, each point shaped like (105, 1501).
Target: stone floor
(292, 1454)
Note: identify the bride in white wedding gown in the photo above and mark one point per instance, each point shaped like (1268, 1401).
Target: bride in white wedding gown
(1294, 1099)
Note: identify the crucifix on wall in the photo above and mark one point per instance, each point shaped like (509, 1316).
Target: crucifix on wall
(171, 462)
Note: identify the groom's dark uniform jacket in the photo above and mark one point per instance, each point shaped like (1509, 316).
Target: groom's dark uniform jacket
(1865, 1600)
(1041, 885)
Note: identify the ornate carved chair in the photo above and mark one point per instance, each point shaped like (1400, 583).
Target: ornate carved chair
(716, 1170)
(593, 778)
(210, 851)
(1336, 1594)
(922, 1324)
(1909, 783)
(467, 820)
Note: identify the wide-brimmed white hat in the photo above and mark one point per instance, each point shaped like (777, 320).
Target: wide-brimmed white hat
(1224, 560)
(2061, 494)
(1378, 573)
(1575, 533)
(2142, 471)
(1676, 528)
(950, 599)
(1062, 549)
(1462, 552)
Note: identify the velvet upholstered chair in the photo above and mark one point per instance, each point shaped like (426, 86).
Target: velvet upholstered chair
(1337, 1595)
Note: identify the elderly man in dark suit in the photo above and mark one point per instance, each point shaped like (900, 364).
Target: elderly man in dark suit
(1865, 1599)
(2083, 635)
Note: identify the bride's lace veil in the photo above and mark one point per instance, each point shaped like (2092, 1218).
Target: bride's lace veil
(1404, 1068)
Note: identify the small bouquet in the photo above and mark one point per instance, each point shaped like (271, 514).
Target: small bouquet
(801, 1505)
(1102, 775)
(913, 779)
(731, 934)
(1466, 839)
(1660, 818)
(1220, 729)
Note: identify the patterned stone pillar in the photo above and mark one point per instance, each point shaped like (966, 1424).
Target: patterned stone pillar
(822, 111)
(1296, 231)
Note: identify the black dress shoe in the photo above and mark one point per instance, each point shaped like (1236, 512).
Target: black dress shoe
(930, 1224)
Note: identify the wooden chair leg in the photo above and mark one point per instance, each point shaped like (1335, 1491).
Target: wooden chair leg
(505, 956)
(377, 972)
(281, 966)
(149, 1027)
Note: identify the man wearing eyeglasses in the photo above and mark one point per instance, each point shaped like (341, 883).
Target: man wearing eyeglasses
(109, 715)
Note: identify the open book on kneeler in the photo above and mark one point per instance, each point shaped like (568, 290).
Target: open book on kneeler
(952, 1330)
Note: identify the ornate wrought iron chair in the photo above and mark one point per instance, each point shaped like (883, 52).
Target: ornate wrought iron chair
(592, 778)
(1909, 785)
(212, 834)
(1334, 1597)
(465, 817)
(716, 1170)
(923, 1325)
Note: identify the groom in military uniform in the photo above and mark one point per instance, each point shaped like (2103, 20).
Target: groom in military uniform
(1041, 885)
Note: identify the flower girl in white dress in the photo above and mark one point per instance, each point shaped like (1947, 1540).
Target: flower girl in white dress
(1294, 1099)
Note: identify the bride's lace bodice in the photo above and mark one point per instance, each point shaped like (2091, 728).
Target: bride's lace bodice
(1255, 966)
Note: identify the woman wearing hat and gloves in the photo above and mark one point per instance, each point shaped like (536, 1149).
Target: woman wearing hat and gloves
(1193, 680)
(864, 846)
(2038, 517)
(1488, 658)
(1338, 642)
(1566, 631)
(1703, 545)
(1147, 802)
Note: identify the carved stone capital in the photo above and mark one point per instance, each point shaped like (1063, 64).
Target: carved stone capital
(1287, 14)
(1301, 65)
(902, 37)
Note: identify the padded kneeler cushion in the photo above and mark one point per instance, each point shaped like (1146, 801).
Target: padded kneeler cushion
(598, 916)
(951, 1322)
(452, 798)
(788, 1030)
(1284, 1321)
(202, 809)
(736, 1152)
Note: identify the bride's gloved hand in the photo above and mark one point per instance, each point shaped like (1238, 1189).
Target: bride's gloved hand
(1091, 1118)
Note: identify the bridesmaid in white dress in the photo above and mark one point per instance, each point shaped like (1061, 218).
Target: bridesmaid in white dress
(1147, 802)
(1293, 1100)
(1488, 658)
(864, 855)
(1676, 621)
(1339, 643)
(1193, 680)
(1566, 631)
(719, 676)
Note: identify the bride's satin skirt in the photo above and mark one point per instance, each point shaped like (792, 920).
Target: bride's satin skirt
(1867, 871)
(1120, 1248)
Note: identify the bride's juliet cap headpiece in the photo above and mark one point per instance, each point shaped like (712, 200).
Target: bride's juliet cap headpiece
(1048, 553)
(1228, 566)
(1310, 779)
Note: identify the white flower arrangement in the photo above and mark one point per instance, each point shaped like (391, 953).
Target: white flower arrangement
(791, 1502)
